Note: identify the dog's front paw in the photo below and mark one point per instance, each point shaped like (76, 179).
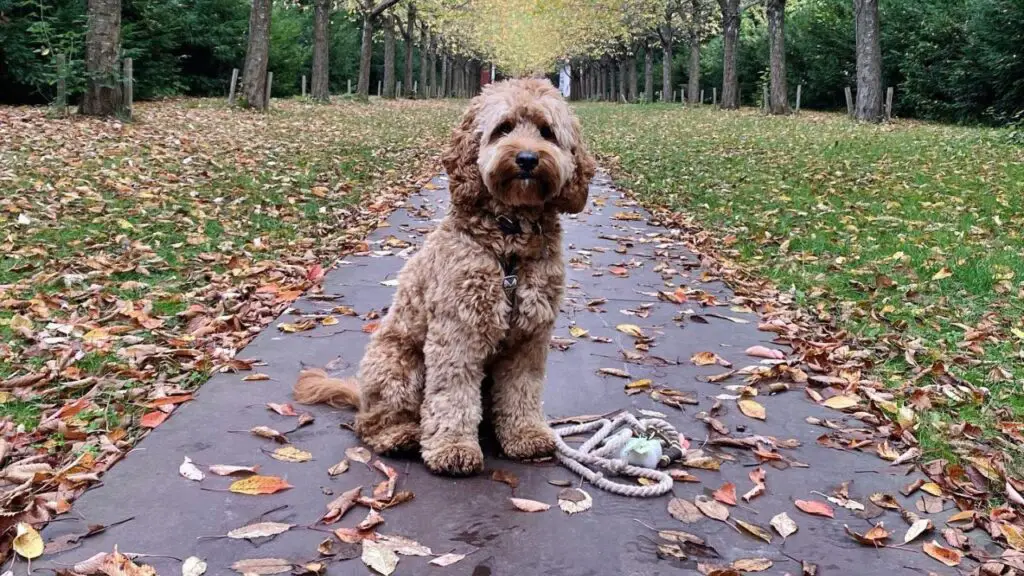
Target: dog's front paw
(455, 459)
(385, 438)
(531, 441)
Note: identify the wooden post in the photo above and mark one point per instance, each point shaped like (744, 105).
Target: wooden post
(799, 89)
(764, 98)
(303, 85)
(888, 103)
(673, 95)
(349, 86)
(62, 90)
(415, 87)
(270, 82)
(398, 89)
(702, 97)
(849, 101)
(379, 85)
(714, 96)
(129, 82)
(234, 82)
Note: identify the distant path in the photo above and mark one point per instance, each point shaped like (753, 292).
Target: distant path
(465, 514)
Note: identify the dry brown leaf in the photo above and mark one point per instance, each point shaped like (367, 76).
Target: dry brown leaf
(815, 507)
(757, 476)
(505, 477)
(617, 372)
(784, 525)
(270, 433)
(684, 511)
(754, 530)
(339, 468)
(189, 470)
(291, 454)
(726, 494)
(372, 520)
(447, 559)
(259, 530)
(947, 556)
(752, 409)
(529, 505)
(262, 566)
(339, 506)
(630, 329)
(359, 454)
(752, 564)
(227, 470)
(711, 508)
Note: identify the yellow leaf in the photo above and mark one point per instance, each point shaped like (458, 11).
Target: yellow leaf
(752, 409)
(932, 488)
(18, 322)
(842, 402)
(329, 321)
(256, 377)
(645, 383)
(941, 274)
(96, 335)
(578, 332)
(291, 454)
(704, 358)
(28, 543)
(254, 485)
(631, 329)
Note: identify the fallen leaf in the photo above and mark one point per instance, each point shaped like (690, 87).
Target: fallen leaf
(947, 556)
(386, 489)
(704, 358)
(291, 454)
(752, 409)
(340, 505)
(259, 530)
(752, 564)
(942, 274)
(755, 530)
(292, 327)
(726, 494)
(574, 500)
(447, 559)
(630, 329)
(190, 470)
(339, 468)
(227, 470)
(153, 419)
(404, 546)
(282, 409)
(711, 508)
(815, 507)
(256, 377)
(27, 542)
(884, 501)
(372, 520)
(784, 525)
(684, 511)
(764, 352)
(262, 566)
(193, 566)
(876, 536)
(529, 505)
(359, 454)
(917, 528)
(841, 402)
(379, 557)
(353, 536)
(269, 433)
(757, 476)
(255, 485)
(505, 477)
(934, 489)
(576, 332)
(614, 372)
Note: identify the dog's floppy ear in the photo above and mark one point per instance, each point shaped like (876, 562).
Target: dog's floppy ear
(573, 198)
(464, 179)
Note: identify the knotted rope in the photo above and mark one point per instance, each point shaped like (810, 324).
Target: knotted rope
(591, 460)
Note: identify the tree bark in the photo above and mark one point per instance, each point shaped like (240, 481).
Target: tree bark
(444, 74)
(666, 63)
(693, 85)
(102, 48)
(321, 50)
(633, 80)
(623, 80)
(730, 38)
(410, 31)
(869, 61)
(432, 63)
(424, 48)
(649, 75)
(389, 57)
(257, 56)
(779, 99)
(602, 81)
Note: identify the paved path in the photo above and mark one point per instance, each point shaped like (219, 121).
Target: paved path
(473, 514)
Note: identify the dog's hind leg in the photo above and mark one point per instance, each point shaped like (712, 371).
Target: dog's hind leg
(391, 388)
(518, 385)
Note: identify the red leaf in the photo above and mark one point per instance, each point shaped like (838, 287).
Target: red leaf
(153, 419)
(726, 494)
(815, 507)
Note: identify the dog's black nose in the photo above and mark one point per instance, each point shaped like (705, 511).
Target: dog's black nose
(527, 161)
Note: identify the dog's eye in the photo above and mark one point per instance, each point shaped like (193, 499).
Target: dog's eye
(547, 134)
(502, 130)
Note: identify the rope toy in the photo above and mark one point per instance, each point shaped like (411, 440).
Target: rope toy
(600, 453)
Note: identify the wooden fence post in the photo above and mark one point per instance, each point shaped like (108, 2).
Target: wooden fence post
(349, 86)
(701, 97)
(129, 82)
(270, 82)
(415, 87)
(231, 91)
(379, 85)
(62, 90)
(714, 96)
(849, 101)
(398, 90)
(888, 104)
(799, 89)
(303, 85)
(764, 98)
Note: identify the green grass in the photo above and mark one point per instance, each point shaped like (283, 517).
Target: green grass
(836, 210)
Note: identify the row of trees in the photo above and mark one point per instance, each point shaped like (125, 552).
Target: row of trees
(948, 59)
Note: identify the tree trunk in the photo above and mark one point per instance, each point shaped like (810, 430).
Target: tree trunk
(432, 63)
(444, 75)
(649, 75)
(693, 85)
(623, 80)
(365, 57)
(779, 100)
(602, 81)
(321, 50)
(633, 80)
(869, 61)
(257, 56)
(389, 56)
(102, 48)
(730, 37)
(424, 48)
(410, 30)
(666, 69)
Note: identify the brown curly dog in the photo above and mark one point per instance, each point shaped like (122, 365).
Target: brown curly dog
(481, 297)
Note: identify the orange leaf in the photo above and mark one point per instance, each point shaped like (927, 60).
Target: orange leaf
(815, 507)
(370, 327)
(947, 556)
(618, 271)
(726, 494)
(254, 485)
(153, 419)
(166, 400)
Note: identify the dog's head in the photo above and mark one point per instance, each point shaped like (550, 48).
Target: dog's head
(519, 144)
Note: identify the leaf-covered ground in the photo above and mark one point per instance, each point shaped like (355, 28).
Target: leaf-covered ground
(139, 258)
(907, 237)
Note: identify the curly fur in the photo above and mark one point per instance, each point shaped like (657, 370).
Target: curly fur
(419, 383)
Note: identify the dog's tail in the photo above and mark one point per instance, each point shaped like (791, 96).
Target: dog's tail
(316, 387)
